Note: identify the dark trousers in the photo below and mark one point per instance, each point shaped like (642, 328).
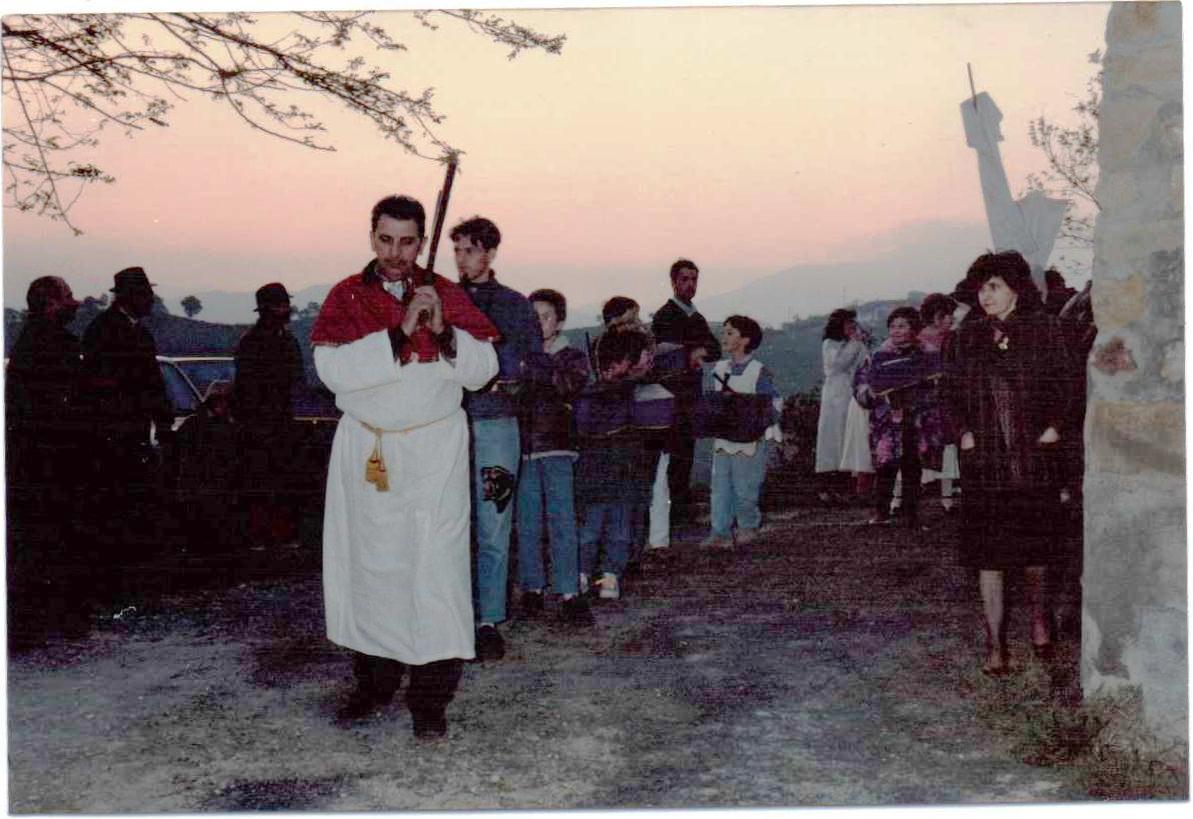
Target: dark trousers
(909, 465)
(682, 446)
(432, 685)
(50, 560)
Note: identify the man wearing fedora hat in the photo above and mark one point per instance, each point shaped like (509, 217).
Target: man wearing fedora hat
(268, 369)
(126, 396)
(120, 366)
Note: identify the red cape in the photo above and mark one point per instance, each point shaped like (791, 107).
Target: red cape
(359, 306)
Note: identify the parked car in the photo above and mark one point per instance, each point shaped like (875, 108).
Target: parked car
(188, 382)
(188, 378)
(186, 393)
(201, 371)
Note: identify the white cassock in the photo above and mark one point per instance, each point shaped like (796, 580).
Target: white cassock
(396, 564)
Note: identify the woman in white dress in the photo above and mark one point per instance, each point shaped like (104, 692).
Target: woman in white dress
(843, 352)
(855, 454)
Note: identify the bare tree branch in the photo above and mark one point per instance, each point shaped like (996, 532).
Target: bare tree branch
(1072, 161)
(68, 76)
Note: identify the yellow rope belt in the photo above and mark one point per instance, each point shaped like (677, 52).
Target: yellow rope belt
(375, 472)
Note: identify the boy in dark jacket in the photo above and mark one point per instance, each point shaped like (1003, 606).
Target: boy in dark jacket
(615, 468)
(555, 376)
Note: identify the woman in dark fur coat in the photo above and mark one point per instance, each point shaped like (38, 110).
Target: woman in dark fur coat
(1008, 392)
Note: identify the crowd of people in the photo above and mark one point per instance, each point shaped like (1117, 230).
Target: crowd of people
(981, 386)
(467, 409)
(87, 423)
(473, 429)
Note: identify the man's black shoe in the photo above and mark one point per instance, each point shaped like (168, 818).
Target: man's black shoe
(430, 726)
(489, 645)
(532, 604)
(576, 612)
(361, 704)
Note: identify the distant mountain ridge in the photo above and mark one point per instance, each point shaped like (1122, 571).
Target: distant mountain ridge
(925, 256)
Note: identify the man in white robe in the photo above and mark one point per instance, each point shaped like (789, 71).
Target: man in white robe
(398, 347)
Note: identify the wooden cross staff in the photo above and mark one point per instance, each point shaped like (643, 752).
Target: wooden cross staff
(451, 160)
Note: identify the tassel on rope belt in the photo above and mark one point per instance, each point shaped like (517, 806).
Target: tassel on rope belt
(375, 471)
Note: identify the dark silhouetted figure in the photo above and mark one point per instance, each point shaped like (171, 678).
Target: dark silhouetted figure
(268, 370)
(209, 450)
(45, 563)
(126, 396)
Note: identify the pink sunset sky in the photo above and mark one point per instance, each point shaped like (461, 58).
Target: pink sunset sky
(750, 139)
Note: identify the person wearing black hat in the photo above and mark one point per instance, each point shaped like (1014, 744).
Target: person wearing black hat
(126, 396)
(268, 370)
(120, 367)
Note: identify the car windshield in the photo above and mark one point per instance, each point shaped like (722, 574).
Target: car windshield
(181, 394)
(203, 371)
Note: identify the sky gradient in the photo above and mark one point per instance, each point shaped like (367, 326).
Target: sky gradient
(751, 140)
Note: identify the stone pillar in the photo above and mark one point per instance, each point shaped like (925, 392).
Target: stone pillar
(1134, 596)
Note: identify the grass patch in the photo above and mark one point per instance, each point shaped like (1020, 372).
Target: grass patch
(1105, 740)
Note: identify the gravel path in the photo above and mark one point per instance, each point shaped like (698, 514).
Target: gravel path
(826, 664)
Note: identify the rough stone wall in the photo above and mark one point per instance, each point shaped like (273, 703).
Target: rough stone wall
(1135, 606)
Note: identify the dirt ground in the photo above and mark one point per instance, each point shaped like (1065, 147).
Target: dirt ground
(828, 663)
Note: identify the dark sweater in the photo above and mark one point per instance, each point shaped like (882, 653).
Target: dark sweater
(520, 336)
(672, 324)
(268, 369)
(124, 384)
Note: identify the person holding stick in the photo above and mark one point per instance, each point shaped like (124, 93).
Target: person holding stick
(398, 346)
(898, 386)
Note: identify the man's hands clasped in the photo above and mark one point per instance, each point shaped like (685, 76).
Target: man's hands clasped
(425, 302)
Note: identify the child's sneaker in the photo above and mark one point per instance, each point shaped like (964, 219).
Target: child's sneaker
(715, 541)
(609, 587)
(745, 537)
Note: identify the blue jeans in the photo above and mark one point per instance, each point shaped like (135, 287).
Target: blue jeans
(612, 519)
(496, 454)
(736, 484)
(548, 479)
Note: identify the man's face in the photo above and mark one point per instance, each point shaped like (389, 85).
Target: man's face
(138, 301)
(396, 244)
(62, 305)
(684, 284)
(277, 313)
(472, 261)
